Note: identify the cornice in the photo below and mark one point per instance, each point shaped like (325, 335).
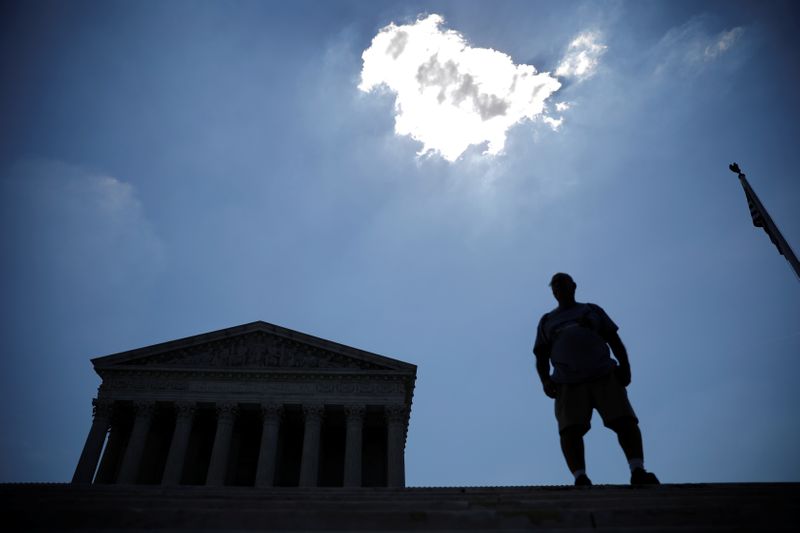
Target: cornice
(255, 374)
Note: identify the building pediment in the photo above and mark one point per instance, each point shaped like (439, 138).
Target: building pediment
(254, 346)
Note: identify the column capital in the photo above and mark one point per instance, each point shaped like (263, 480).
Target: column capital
(184, 409)
(102, 409)
(144, 408)
(396, 413)
(226, 411)
(355, 412)
(313, 412)
(271, 411)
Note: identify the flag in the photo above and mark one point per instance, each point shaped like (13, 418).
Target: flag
(757, 215)
(761, 219)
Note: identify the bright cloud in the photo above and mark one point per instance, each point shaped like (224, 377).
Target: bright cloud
(691, 48)
(723, 42)
(450, 95)
(554, 123)
(582, 57)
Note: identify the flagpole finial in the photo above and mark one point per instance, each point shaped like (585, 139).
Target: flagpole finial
(735, 168)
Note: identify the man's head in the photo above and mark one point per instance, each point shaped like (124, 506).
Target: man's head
(563, 288)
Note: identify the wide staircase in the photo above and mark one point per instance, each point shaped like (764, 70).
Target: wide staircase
(691, 507)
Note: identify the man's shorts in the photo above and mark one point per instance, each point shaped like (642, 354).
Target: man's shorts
(575, 401)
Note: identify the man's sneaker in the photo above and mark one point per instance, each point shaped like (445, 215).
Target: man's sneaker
(583, 481)
(640, 476)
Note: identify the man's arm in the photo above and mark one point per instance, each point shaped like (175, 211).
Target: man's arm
(543, 369)
(621, 354)
(541, 349)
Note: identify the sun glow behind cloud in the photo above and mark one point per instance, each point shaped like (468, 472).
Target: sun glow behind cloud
(451, 95)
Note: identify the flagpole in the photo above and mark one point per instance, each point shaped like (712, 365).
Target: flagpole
(768, 224)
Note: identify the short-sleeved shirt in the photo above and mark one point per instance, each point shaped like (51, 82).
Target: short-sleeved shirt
(574, 339)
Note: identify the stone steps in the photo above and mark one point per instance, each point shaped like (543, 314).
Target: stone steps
(718, 507)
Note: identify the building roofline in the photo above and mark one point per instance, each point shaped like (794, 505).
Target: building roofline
(121, 358)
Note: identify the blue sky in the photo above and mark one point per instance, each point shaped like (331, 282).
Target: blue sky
(174, 168)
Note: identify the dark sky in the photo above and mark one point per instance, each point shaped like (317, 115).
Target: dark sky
(173, 168)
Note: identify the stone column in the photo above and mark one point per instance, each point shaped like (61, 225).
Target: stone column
(226, 414)
(353, 445)
(395, 445)
(184, 416)
(309, 467)
(101, 414)
(265, 472)
(106, 472)
(129, 471)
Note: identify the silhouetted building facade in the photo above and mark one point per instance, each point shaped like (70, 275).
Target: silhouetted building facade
(253, 405)
(214, 432)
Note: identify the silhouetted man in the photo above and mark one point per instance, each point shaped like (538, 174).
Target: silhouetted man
(575, 338)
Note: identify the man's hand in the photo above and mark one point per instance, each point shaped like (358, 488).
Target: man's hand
(623, 371)
(623, 374)
(550, 388)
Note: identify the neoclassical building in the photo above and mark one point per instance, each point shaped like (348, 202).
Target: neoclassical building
(216, 432)
(252, 405)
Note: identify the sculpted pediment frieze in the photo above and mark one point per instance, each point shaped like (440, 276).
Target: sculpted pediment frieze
(255, 350)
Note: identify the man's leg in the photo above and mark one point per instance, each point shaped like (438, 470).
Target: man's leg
(611, 401)
(572, 446)
(629, 437)
(574, 414)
